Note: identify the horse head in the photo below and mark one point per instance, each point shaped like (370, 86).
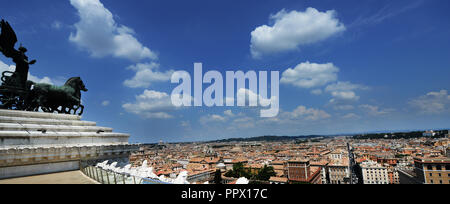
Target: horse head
(76, 83)
(81, 85)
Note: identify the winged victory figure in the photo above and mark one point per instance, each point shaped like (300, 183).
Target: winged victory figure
(8, 40)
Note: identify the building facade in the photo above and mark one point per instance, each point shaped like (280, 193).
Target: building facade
(338, 172)
(300, 171)
(433, 170)
(374, 173)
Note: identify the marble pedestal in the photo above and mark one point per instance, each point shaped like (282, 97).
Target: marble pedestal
(34, 143)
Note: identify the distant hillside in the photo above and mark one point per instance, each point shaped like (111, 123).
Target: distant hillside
(267, 138)
(400, 135)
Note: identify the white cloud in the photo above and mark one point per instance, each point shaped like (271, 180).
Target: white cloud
(343, 107)
(151, 104)
(344, 91)
(251, 97)
(56, 25)
(300, 116)
(375, 110)
(433, 102)
(290, 30)
(228, 113)
(351, 116)
(12, 68)
(146, 74)
(302, 112)
(100, 35)
(212, 118)
(106, 103)
(44, 80)
(240, 121)
(243, 123)
(387, 12)
(186, 124)
(228, 121)
(317, 92)
(310, 75)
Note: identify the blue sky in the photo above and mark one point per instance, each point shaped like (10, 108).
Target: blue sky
(345, 66)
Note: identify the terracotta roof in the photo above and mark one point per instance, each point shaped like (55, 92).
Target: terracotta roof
(278, 179)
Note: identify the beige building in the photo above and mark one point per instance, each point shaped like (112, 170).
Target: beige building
(374, 173)
(433, 170)
(338, 171)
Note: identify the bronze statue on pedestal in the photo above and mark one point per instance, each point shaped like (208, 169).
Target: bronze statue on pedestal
(18, 93)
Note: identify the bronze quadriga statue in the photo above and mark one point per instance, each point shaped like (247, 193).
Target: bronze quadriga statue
(17, 93)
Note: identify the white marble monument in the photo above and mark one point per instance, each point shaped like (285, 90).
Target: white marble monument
(34, 143)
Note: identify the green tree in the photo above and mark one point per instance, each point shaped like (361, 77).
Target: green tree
(238, 171)
(265, 173)
(230, 174)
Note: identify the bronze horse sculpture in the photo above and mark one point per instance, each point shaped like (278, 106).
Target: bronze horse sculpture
(62, 99)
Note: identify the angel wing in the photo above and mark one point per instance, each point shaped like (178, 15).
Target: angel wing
(8, 39)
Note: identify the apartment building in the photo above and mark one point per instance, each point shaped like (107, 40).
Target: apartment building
(338, 171)
(433, 170)
(374, 173)
(300, 171)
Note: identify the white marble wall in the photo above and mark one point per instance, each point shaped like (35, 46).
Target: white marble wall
(36, 169)
(34, 143)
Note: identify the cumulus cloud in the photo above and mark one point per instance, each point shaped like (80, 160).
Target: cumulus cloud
(151, 104)
(432, 103)
(106, 103)
(310, 75)
(212, 118)
(228, 113)
(375, 110)
(243, 123)
(351, 116)
(290, 30)
(343, 107)
(240, 121)
(232, 121)
(146, 74)
(229, 121)
(44, 80)
(302, 112)
(251, 97)
(4, 67)
(317, 92)
(301, 115)
(56, 25)
(185, 124)
(344, 91)
(99, 34)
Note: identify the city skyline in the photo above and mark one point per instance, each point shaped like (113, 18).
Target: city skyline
(358, 67)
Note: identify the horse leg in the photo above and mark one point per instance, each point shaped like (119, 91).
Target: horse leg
(45, 109)
(82, 110)
(64, 110)
(75, 110)
(55, 109)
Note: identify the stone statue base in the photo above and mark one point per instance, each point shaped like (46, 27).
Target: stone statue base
(34, 143)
